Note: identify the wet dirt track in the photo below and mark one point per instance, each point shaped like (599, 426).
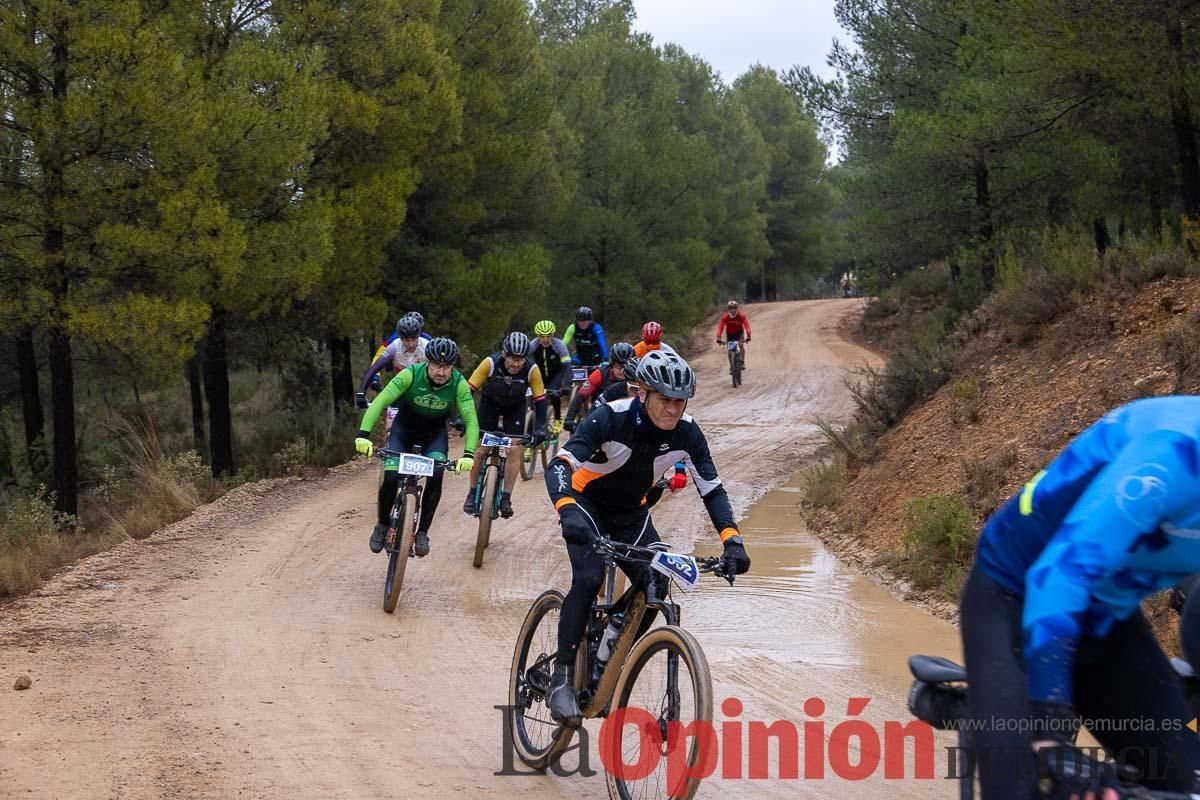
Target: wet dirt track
(244, 652)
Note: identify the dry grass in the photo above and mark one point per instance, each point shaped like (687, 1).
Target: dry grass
(148, 488)
(35, 541)
(823, 482)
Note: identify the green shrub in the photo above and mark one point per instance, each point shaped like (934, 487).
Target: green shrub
(938, 529)
(966, 399)
(913, 373)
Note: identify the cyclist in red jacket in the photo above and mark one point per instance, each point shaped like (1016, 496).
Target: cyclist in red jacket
(736, 327)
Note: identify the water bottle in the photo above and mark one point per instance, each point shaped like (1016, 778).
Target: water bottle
(609, 640)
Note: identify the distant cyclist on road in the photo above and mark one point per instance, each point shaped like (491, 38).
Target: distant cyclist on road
(736, 327)
(599, 483)
(425, 393)
(1050, 619)
(407, 349)
(502, 380)
(551, 357)
(588, 336)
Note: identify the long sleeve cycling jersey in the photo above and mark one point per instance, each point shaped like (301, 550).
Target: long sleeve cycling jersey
(599, 380)
(617, 454)
(590, 346)
(735, 326)
(550, 362)
(424, 405)
(1113, 519)
(396, 357)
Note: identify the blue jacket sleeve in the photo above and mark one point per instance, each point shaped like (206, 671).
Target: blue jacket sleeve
(602, 342)
(1149, 481)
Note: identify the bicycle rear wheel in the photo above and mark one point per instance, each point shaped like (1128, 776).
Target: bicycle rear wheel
(662, 710)
(536, 737)
(487, 507)
(398, 555)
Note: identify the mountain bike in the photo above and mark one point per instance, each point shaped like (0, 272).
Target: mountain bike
(939, 696)
(579, 376)
(664, 673)
(545, 451)
(487, 486)
(735, 361)
(406, 510)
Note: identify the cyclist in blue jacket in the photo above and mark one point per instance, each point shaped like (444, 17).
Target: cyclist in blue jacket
(1051, 627)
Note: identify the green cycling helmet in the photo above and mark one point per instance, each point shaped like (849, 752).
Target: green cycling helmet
(544, 328)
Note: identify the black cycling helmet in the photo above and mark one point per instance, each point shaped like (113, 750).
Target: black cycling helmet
(583, 312)
(516, 344)
(409, 327)
(441, 351)
(417, 316)
(667, 374)
(621, 353)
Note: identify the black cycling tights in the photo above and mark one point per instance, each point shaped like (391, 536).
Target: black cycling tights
(1123, 681)
(429, 498)
(587, 574)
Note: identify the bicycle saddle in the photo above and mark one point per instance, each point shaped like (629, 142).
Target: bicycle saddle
(935, 669)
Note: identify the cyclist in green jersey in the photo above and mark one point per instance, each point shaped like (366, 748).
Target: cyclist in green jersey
(426, 394)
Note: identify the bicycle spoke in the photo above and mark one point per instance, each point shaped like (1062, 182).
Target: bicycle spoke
(672, 707)
(540, 656)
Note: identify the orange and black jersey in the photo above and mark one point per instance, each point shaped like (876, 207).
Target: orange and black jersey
(616, 454)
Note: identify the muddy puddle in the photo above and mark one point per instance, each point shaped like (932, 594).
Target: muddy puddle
(801, 626)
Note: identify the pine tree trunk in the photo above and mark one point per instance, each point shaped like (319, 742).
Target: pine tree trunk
(197, 396)
(340, 374)
(1182, 125)
(983, 211)
(1100, 231)
(62, 405)
(51, 159)
(216, 389)
(31, 402)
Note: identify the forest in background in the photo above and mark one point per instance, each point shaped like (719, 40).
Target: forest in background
(210, 213)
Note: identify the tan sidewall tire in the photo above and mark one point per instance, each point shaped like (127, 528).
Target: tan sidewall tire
(562, 739)
(697, 664)
(406, 538)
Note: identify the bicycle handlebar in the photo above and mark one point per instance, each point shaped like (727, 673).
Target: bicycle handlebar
(714, 565)
(383, 452)
(523, 439)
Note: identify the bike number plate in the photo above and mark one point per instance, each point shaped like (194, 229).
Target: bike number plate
(682, 569)
(579, 374)
(491, 440)
(731, 345)
(412, 464)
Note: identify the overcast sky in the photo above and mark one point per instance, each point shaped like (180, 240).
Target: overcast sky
(732, 36)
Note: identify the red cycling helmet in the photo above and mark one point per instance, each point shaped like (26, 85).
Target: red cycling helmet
(651, 332)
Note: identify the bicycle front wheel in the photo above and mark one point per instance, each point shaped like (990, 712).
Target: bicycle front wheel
(667, 688)
(398, 555)
(487, 507)
(529, 455)
(536, 737)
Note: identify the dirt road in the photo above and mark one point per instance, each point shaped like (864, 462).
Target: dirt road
(244, 653)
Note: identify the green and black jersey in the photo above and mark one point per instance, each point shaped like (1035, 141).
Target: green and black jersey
(423, 406)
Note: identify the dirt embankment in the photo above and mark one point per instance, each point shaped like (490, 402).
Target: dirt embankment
(1017, 402)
